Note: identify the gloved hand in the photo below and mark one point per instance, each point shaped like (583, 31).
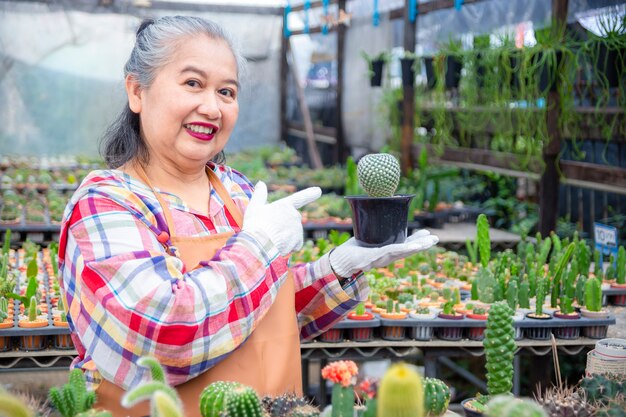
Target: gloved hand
(280, 220)
(350, 258)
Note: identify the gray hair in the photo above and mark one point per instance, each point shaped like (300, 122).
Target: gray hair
(154, 45)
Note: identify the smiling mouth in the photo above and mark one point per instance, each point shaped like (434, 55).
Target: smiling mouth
(200, 129)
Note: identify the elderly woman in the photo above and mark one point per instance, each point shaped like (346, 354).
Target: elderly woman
(172, 254)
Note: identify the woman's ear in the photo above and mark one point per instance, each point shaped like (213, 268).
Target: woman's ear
(133, 91)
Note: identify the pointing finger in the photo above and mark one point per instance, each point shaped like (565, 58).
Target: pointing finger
(302, 197)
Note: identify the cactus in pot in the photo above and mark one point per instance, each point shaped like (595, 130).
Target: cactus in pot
(436, 397)
(380, 218)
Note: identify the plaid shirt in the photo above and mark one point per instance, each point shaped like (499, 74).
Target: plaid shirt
(127, 297)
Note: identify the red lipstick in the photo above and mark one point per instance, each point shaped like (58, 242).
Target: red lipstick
(202, 135)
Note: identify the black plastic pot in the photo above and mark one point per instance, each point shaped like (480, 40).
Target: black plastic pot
(430, 72)
(470, 412)
(453, 72)
(377, 77)
(408, 75)
(380, 221)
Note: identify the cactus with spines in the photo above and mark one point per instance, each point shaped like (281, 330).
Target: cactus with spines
(512, 294)
(400, 393)
(213, 398)
(544, 251)
(508, 406)
(500, 348)
(593, 294)
(304, 411)
(620, 270)
(483, 240)
(580, 290)
(282, 404)
(95, 413)
(436, 397)
(379, 174)
(564, 401)
(609, 274)
(72, 398)
(242, 401)
(556, 279)
(4, 309)
(32, 309)
(615, 407)
(148, 390)
(541, 295)
(523, 295)
(601, 388)
(11, 406)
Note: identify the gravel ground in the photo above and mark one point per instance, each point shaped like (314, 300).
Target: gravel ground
(619, 329)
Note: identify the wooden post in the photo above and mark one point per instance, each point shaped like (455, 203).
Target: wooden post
(341, 150)
(283, 75)
(408, 98)
(549, 182)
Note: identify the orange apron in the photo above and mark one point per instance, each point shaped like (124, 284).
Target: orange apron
(269, 361)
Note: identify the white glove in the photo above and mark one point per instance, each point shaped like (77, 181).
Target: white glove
(350, 258)
(280, 221)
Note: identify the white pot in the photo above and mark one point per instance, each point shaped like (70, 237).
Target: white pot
(611, 349)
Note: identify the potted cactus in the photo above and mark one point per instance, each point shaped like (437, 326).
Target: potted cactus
(593, 309)
(391, 314)
(363, 333)
(343, 376)
(380, 218)
(33, 320)
(436, 397)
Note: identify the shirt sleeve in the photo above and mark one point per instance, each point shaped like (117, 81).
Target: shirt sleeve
(130, 298)
(320, 300)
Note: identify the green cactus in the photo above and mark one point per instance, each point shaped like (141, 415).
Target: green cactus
(486, 285)
(565, 305)
(500, 349)
(523, 295)
(615, 407)
(556, 279)
(609, 274)
(583, 256)
(512, 294)
(4, 308)
(148, 390)
(508, 406)
(95, 413)
(164, 406)
(400, 393)
(342, 399)
(371, 407)
(32, 309)
(379, 174)
(282, 404)
(11, 406)
(541, 295)
(593, 294)
(352, 183)
(621, 266)
(212, 399)
(446, 293)
(436, 397)
(580, 290)
(304, 411)
(483, 239)
(601, 388)
(242, 401)
(474, 290)
(72, 398)
(472, 251)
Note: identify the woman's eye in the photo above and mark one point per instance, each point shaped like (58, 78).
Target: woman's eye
(193, 83)
(227, 92)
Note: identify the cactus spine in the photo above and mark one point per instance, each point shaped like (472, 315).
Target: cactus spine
(283, 404)
(593, 294)
(436, 397)
(500, 348)
(400, 393)
(212, 399)
(379, 174)
(73, 398)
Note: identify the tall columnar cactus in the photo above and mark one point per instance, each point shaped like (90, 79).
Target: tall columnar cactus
(436, 397)
(556, 279)
(541, 295)
(213, 398)
(593, 294)
(580, 290)
(32, 309)
(483, 239)
(500, 348)
(72, 398)
(507, 406)
(400, 393)
(512, 294)
(621, 265)
(379, 174)
(523, 295)
(4, 308)
(242, 401)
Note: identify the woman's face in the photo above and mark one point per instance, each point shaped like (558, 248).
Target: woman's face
(189, 111)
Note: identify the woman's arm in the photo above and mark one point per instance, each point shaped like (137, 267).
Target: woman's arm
(129, 298)
(321, 300)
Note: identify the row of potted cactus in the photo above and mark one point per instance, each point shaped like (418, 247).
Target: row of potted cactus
(32, 208)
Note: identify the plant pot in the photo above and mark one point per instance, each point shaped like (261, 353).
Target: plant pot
(5, 343)
(453, 72)
(476, 333)
(32, 342)
(617, 299)
(450, 333)
(394, 333)
(361, 334)
(377, 78)
(379, 221)
(430, 72)
(538, 333)
(470, 412)
(595, 332)
(611, 349)
(332, 336)
(63, 341)
(408, 75)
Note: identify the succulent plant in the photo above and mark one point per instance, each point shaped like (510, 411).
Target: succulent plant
(379, 174)
(593, 294)
(564, 401)
(601, 388)
(507, 406)
(400, 393)
(615, 407)
(436, 397)
(212, 399)
(242, 401)
(72, 398)
(500, 348)
(283, 404)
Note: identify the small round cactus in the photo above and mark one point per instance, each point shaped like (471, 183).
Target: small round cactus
(212, 399)
(436, 397)
(283, 404)
(509, 406)
(400, 393)
(379, 174)
(243, 401)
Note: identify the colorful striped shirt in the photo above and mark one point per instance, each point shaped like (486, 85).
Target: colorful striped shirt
(128, 297)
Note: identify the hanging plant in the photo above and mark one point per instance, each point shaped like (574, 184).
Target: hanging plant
(375, 66)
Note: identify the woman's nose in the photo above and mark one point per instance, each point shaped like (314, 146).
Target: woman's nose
(210, 106)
